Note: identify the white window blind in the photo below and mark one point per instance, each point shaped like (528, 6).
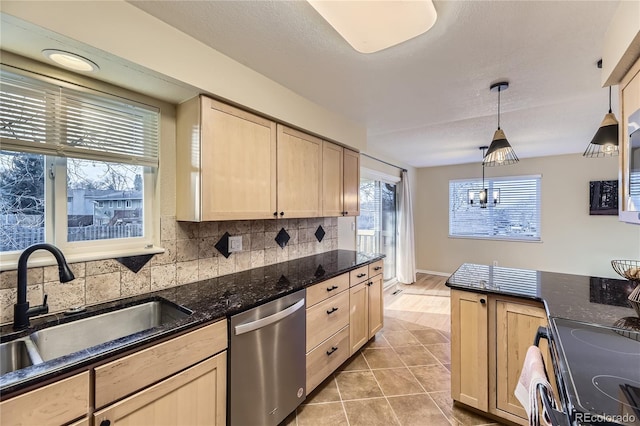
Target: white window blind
(40, 117)
(516, 216)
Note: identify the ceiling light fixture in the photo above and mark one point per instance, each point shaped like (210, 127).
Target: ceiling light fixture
(371, 26)
(500, 152)
(483, 194)
(605, 141)
(70, 60)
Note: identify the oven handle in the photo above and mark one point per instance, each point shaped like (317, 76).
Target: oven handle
(263, 322)
(558, 418)
(542, 333)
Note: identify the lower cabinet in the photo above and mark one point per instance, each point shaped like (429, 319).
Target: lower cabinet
(54, 404)
(196, 396)
(490, 335)
(365, 312)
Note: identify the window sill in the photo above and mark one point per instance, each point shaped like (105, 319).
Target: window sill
(517, 240)
(47, 260)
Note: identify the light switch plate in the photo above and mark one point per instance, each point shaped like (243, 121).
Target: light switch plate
(235, 243)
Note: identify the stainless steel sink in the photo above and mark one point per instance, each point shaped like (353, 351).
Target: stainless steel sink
(64, 339)
(16, 355)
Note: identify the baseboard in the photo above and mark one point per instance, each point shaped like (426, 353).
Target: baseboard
(442, 274)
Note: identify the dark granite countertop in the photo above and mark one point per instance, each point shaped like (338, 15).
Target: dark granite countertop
(594, 300)
(210, 300)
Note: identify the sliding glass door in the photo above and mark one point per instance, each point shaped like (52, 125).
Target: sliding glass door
(377, 223)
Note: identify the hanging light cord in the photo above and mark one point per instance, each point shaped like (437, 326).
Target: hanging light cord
(609, 99)
(498, 107)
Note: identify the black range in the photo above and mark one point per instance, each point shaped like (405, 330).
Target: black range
(595, 337)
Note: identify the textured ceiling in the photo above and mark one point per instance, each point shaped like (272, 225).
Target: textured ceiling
(427, 101)
(424, 102)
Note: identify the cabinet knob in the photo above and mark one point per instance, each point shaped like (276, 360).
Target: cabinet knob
(275, 214)
(281, 213)
(370, 283)
(105, 423)
(332, 310)
(483, 301)
(346, 213)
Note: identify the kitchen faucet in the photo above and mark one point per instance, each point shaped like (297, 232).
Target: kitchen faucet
(21, 310)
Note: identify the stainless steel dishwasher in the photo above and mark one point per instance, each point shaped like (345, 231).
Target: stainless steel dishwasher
(267, 364)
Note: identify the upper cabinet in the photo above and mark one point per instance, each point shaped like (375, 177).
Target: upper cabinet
(299, 174)
(234, 165)
(630, 145)
(225, 163)
(340, 181)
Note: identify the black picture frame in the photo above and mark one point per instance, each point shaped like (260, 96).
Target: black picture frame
(603, 198)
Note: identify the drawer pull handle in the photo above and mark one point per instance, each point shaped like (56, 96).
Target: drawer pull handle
(333, 349)
(332, 310)
(333, 287)
(377, 268)
(361, 275)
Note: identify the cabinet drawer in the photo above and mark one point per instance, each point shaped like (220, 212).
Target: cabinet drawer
(54, 404)
(326, 318)
(328, 356)
(136, 371)
(322, 291)
(376, 268)
(358, 275)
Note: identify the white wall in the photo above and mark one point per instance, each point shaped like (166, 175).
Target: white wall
(572, 240)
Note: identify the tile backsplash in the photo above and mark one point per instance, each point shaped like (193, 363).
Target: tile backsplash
(189, 256)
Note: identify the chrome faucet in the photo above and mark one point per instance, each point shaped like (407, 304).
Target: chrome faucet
(21, 310)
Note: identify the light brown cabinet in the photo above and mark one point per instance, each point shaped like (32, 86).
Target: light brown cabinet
(340, 181)
(55, 404)
(299, 182)
(366, 306)
(225, 163)
(327, 328)
(490, 335)
(629, 104)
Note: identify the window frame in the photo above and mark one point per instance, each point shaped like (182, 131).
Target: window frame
(56, 195)
(488, 184)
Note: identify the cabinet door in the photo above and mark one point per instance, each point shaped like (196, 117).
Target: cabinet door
(358, 317)
(54, 404)
(332, 186)
(469, 363)
(237, 164)
(374, 297)
(351, 194)
(299, 174)
(196, 396)
(516, 327)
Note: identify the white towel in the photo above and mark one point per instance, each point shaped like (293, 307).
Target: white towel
(532, 377)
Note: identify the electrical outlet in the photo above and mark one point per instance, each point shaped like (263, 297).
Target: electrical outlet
(235, 243)
(495, 263)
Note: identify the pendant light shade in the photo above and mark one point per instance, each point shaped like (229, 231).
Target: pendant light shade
(605, 141)
(500, 152)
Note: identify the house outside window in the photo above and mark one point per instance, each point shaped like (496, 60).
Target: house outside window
(512, 212)
(109, 148)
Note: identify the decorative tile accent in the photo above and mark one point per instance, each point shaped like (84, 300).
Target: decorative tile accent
(223, 245)
(320, 233)
(320, 271)
(282, 238)
(135, 263)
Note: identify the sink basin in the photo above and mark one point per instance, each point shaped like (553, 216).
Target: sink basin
(64, 339)
(16, 355)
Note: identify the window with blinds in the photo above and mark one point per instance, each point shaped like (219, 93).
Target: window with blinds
(514, 216)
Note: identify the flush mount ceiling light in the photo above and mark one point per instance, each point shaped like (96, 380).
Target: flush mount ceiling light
(605, 141)
(500, 152)
(70, 60)
(371, 26)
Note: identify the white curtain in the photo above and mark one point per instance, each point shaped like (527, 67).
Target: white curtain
(406, 261)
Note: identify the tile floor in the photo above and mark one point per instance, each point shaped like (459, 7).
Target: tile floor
(402, 376)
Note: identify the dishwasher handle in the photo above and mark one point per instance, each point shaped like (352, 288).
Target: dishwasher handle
(263, 322)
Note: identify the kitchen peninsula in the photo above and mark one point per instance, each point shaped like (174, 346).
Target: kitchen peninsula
(594, 347)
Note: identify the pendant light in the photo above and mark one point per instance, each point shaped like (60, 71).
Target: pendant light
(500, 152)
(605, 141)
(483, 193)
